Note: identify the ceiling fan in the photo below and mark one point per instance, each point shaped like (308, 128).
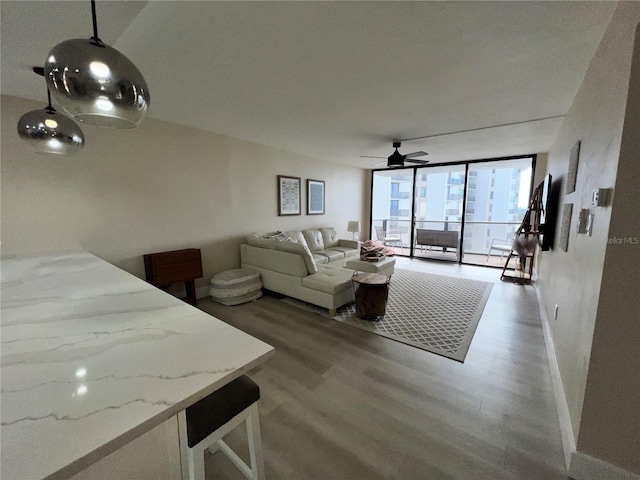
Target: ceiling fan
(396, 159)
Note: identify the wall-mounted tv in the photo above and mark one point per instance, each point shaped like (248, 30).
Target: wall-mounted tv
(547, 222)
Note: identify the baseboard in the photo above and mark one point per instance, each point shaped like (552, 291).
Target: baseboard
(202, 292)
(585, 467)
(579, 465)
(566, 428)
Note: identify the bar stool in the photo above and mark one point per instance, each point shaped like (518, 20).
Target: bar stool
(203, 424)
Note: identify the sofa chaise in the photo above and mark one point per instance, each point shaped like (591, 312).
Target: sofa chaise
(306, 265)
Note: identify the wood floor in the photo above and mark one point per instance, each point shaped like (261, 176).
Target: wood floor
(341, 403)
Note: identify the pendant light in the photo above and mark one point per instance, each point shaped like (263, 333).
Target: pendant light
(48, 131)
(95, 83)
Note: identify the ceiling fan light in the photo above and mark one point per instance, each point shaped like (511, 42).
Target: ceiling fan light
(50, 132)
(96, 84)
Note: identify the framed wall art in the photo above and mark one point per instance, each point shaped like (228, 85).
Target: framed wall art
(288, 195)
(315, 197)
(572, 173)
(565, 229)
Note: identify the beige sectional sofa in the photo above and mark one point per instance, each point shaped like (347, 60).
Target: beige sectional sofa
(306, 264)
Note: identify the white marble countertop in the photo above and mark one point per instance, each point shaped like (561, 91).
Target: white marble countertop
(93, 357)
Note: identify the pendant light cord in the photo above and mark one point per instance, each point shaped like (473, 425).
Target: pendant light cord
(96, 40)
(49, 109)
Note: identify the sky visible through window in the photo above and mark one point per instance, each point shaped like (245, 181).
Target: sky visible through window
(525, 180)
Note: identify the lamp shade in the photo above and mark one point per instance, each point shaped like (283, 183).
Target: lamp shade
(51, 132)
(96, 84)
(353, 227)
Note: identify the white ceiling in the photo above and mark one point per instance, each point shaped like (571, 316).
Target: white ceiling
(336, 80)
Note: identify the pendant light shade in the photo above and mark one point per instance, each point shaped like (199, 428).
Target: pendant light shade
(51, 132)
(95, 83)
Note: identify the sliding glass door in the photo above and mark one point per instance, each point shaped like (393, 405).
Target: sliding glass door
(439, 198)
(392, 209)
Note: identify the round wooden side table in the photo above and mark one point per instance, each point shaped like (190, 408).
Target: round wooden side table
(371, 291)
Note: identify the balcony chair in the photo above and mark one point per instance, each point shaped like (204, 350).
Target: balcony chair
(503, 245)
(389, 240)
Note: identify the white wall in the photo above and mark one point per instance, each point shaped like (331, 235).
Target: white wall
(158, 187)
(610, 426)
(574, 279)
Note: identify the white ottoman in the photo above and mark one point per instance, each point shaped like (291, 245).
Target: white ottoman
(381, 267)
(237, 286)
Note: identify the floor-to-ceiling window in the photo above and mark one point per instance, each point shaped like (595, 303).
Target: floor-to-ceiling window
(497, 199)
(464, 211)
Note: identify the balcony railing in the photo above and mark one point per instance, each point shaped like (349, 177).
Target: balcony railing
(476, 243)
(400, 195)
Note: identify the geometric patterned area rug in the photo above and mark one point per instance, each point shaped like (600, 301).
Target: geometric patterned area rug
(432, 312)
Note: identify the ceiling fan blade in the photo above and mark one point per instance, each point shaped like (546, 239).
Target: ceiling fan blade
(415, 154)
(420, 162)
(369, 156)
(379, 163)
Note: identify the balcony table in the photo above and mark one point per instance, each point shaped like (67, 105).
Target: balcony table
(94, 359)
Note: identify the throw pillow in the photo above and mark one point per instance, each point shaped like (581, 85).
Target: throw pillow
(258, 240)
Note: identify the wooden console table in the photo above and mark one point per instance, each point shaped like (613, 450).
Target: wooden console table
(164, 269)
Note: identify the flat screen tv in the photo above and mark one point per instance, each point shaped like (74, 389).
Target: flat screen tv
(547, 222)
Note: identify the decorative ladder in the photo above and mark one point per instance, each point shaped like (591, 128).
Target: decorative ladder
(529, 227)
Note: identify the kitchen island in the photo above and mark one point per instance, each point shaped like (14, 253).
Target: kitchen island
(94, 358)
